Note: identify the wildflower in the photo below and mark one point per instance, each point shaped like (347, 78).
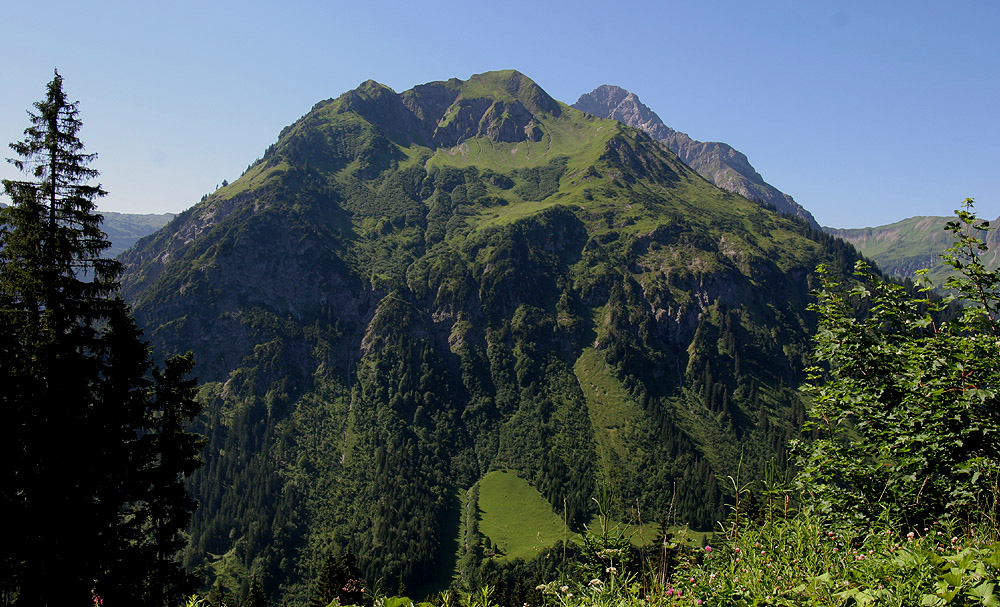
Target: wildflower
(737, 549)
(595, 582)
(540, 587)
(708, 548)
(564, 588)
(569, 595)
(611, 570)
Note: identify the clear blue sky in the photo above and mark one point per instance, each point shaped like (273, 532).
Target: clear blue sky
(866, 112)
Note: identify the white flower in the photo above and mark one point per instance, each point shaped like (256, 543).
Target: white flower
(595, 582)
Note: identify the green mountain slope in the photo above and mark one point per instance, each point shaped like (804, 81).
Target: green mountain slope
(903, 247)
(411, 291)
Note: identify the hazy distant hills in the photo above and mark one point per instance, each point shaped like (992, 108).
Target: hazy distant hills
(412, 296)
(903, 247)
(125, 229)
(724, 166)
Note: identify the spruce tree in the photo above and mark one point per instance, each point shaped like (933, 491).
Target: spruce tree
(84, 467)
(255, 596)
(339, 580)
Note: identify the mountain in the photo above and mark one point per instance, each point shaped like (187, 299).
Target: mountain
(903, 247)
(125, 229)
(717, 162)
(417, 306)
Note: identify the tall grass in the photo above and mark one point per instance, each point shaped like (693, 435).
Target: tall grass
(805, 561)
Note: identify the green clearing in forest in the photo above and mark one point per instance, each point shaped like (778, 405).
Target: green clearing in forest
(515, 516)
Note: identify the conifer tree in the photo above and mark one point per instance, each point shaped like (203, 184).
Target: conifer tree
(219, 596)
(256, 596)
(88, 424)
(339, 579)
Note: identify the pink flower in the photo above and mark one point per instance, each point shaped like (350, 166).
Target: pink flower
(708, 548)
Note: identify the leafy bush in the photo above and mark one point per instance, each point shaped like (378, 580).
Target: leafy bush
(907, 409)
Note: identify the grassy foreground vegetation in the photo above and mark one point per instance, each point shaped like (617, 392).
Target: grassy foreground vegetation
(803, 560)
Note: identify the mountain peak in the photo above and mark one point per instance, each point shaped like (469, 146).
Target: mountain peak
(511, 85)
(501, 106)
(717, 162)
(609, 101)
(609, 93)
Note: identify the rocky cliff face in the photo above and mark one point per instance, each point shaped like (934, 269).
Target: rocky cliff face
(724, 166)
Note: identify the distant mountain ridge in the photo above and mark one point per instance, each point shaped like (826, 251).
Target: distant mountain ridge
(125, 229)
(718, 162)
(903, 247)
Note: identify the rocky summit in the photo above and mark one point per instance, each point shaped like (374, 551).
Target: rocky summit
(724, 166)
